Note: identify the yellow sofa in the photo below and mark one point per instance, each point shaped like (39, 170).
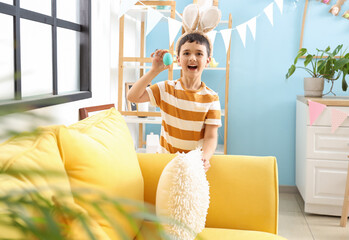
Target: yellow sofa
(96, 154)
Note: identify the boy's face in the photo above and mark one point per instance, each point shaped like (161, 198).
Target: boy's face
(193, 59)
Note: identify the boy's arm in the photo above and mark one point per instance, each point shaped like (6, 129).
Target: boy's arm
(210, 144)
(138, 92)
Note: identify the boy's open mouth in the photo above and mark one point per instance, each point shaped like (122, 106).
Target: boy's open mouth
(192, 67)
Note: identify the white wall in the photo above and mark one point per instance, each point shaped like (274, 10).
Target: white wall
(105, 56)
(105, 45)
(131, 49)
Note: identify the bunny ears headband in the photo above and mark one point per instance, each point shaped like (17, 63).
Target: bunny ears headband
(200, 22)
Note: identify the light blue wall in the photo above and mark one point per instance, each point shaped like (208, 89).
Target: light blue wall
(261, 102)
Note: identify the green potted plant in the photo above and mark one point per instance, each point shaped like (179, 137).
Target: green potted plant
(324, 65)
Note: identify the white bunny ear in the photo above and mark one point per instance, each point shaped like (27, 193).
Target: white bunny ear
(209, 19)
(190, 17)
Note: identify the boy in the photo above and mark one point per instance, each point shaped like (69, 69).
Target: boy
(190, 111)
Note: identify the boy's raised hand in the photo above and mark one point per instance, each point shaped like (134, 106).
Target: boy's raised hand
(157, 63)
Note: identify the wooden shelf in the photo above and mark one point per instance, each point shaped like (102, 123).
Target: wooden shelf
(175, 68)
(141, 114)
(149, 120)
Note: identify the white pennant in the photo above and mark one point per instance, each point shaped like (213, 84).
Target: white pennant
(242, 33)
(173, 27)
(153, 17)
(280, 4)
(212, 36)
(269, 12)
(125, 5)
(226, 35)
(252, 26)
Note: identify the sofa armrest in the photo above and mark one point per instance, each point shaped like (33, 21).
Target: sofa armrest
(243, 190)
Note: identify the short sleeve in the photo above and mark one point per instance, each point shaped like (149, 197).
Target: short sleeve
(213, 116)
(154, 94)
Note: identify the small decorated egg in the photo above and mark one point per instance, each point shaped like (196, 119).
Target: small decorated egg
(167, 59)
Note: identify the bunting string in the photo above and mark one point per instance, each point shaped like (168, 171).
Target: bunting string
(337, 116)
(154, 16)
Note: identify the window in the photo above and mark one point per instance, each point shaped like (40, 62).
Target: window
(45, 53)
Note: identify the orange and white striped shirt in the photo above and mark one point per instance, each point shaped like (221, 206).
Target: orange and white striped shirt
(184, 114)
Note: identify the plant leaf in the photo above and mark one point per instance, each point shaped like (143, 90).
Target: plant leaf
(301, 52)
(308, 59)
(344, 83)
(321, 65)
(340, 63)
(291, 71)
(337, 49)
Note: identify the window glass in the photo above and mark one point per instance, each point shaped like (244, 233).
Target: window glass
(68, 60)
(6, 58)
(68, 10)
(40, 6)
(36, 58)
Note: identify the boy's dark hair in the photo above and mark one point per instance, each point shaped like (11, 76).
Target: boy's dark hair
(194, 37)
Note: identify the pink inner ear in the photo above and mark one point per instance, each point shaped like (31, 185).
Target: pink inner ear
(190, 16)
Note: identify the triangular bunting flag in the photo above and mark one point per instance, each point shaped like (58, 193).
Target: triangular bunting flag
(242, 33)
(212, 36)
(280, 4)
(252, 26)
(125, 5)
(173, 27)
(153, 17)
(315, 109)
(226, 35)
(337, 118)
(269, 12)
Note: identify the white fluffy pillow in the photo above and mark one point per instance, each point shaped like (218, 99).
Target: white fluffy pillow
(183, 195)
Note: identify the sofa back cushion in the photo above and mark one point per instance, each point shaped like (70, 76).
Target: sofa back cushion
(31, 168)
(244, 193)
(99, 157)
(243, 190)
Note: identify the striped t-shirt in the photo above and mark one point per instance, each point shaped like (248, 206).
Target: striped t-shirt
(184, 114)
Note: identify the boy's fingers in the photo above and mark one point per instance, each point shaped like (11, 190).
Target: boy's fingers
(158, 52)
(161, 52)
(155, 53)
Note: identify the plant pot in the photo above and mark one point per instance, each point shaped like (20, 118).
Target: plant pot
(313, 87)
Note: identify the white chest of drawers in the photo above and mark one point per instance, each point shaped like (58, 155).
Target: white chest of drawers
(321, 157)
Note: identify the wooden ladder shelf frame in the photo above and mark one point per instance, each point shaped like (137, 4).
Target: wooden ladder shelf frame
(142, 59)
